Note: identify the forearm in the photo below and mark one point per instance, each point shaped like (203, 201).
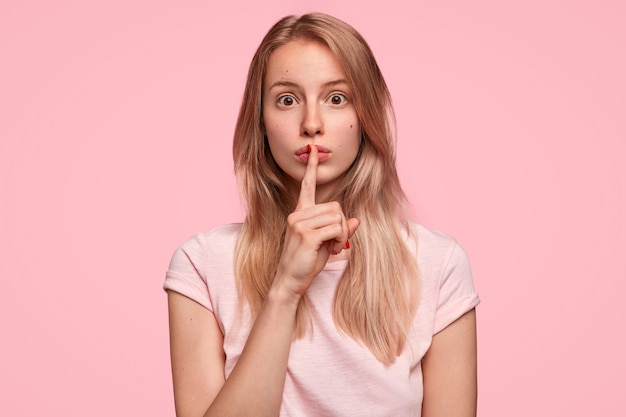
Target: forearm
(255, 386)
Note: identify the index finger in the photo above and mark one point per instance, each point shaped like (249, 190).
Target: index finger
(307, 187)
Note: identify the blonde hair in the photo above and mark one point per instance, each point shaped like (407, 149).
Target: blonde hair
(375, 300)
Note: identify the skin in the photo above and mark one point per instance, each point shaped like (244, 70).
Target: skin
(315, 231)
(449, 370)
(306, 101)
(255, 386)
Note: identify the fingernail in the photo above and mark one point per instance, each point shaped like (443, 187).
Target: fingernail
(308, 148)
(347, 244)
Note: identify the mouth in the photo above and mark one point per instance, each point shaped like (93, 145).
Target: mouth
(302, 154)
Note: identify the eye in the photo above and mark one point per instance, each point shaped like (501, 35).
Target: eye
(286, 100)
(337, 99)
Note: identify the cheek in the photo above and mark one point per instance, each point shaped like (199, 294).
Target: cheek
(279, 124)
(273, 127)
(271, 121)
(354, 132)
(278, 138)
(276, 134)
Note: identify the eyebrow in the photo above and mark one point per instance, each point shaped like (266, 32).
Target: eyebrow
(294, 85)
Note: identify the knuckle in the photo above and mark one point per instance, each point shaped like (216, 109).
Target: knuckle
(298, 228)
(292, 220)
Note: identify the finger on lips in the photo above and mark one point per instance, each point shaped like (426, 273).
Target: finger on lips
(307, 187)
(306, 200)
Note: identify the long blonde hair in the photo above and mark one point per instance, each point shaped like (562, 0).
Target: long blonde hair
(375, 300)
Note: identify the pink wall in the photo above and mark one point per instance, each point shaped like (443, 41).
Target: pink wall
(115, 130)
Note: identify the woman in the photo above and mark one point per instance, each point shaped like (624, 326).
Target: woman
(326, 301)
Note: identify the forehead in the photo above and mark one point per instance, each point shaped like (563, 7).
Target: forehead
(301, 61)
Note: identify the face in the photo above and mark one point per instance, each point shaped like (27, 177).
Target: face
(306, 100)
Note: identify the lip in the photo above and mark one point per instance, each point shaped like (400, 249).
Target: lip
(302, 154)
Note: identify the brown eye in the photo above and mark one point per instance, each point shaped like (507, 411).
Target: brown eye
(287, 101)
(337, 99)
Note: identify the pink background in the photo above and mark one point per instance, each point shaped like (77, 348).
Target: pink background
(115, 134)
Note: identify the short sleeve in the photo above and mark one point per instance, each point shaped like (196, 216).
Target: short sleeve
(187, 271)
(456, 289)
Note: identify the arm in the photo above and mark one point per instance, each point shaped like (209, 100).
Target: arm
(196, 353)
(255, 386)
(449, 369)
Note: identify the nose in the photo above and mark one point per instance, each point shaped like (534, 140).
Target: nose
(312, 123)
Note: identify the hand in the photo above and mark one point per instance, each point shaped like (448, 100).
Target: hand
(314, 232)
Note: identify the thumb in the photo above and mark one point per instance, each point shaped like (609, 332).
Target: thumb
(352, 224)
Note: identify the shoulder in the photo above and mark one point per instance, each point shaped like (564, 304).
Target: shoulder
(227, 232)
(217, 244)
(203, 261)
(430, 244)
(446, 276)
(438, 255)
(217, 239)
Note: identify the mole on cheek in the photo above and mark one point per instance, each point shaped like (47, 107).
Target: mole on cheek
(350, 126)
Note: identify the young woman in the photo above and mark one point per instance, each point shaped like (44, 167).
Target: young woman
(326, 301)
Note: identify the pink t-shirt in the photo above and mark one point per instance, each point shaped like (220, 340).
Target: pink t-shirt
(330, 374)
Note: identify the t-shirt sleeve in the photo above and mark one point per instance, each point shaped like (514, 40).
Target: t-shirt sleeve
(187, 271)
(456, 289)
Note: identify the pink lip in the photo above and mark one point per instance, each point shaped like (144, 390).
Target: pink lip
(302, 154)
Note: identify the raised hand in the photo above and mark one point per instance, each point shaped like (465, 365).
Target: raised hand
(314, 232)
